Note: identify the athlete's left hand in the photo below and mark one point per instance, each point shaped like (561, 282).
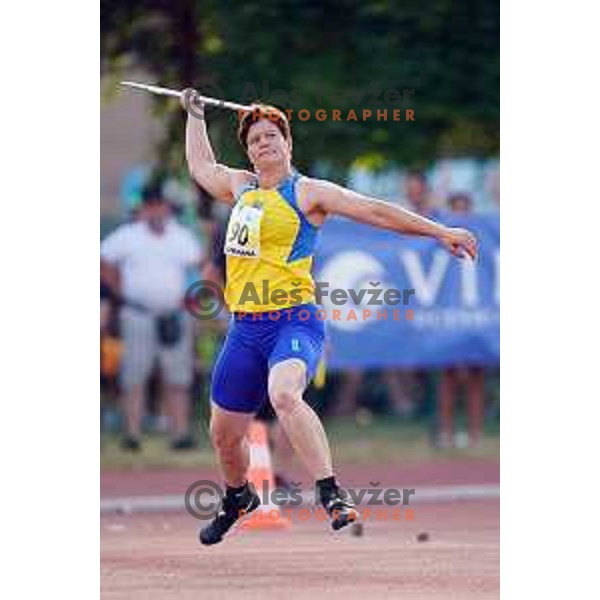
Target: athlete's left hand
(459, 241)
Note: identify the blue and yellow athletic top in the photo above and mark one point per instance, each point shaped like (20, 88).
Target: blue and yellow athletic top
(269, 248)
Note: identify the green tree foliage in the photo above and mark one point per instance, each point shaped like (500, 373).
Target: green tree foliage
(341, 54)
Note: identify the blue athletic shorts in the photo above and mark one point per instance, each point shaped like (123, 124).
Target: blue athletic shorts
(253, 346)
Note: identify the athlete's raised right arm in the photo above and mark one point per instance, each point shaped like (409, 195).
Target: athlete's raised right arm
(218, 180)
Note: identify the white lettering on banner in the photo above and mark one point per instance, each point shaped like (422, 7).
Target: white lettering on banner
(351, 270)
(426, 285)
(456, 319)
(469, 291)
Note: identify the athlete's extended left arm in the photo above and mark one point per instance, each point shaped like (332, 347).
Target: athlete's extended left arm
(332, 199)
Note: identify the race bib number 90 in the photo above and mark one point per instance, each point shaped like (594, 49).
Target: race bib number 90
(243, 232)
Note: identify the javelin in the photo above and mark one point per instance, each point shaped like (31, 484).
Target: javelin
(161, 91)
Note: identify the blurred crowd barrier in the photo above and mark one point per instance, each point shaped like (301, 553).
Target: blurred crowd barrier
(413, 305)
(411, 330)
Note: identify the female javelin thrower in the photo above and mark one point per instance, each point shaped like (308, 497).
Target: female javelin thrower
(271, 238)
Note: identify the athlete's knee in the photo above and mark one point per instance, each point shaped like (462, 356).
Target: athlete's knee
(224, 438)
(283, 399)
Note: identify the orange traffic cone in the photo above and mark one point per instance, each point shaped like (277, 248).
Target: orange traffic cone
(260, 474)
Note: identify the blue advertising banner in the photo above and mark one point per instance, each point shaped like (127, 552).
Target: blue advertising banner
(393, 300)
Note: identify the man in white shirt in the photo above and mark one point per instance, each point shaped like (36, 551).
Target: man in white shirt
(146, 264)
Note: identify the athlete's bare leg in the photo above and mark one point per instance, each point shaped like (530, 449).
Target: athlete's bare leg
(287, 381)
(283, 453)
(228, 434)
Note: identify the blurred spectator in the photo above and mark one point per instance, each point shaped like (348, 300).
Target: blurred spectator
(492, 182)
(460, 204)
(403, 386)
(419, 384)
(215, 267)
(397, 383)
(417, 194)
(212, 331)
(110, 357)
(145, 264)
(105, 307)
(471, 377)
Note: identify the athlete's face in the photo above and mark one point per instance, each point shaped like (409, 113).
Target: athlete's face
(266, 145)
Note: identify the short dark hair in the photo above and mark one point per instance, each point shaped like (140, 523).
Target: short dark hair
(258, 113)
(153, 192)
(458, 196)
(417, 174)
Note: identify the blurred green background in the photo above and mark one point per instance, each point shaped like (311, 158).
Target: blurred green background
(325, 54)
